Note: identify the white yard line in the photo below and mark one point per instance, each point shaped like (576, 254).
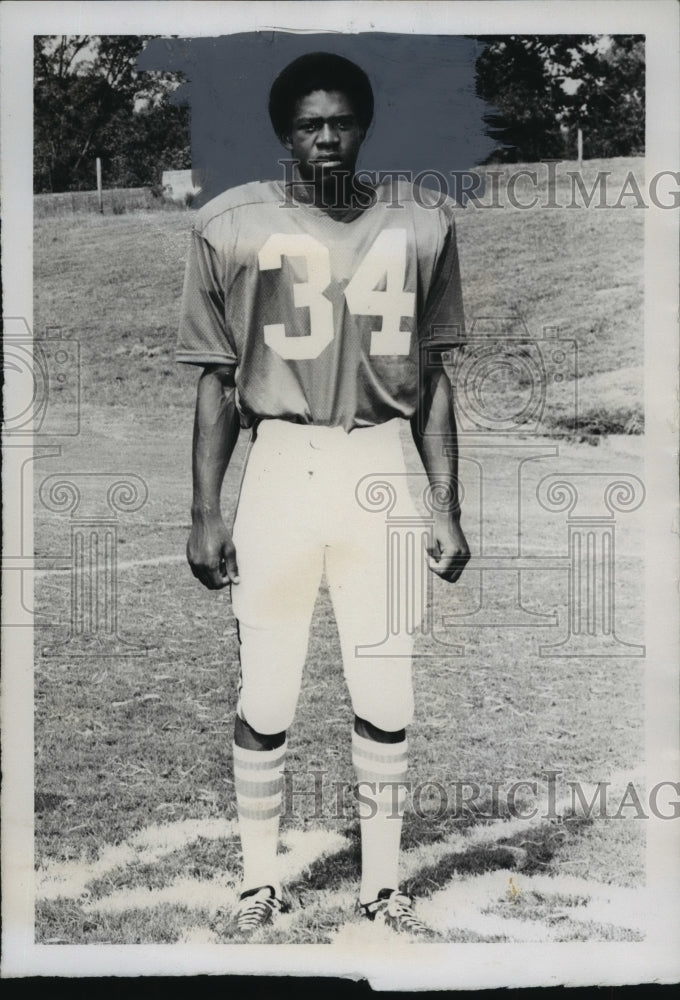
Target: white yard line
(121, 565)
(70, 878)
(302, 850)
(537, 552)
(479, 904)
(483, 903)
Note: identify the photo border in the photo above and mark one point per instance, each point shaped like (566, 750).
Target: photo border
(460, 966)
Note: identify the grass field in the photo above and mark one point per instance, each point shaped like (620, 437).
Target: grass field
(115, 201)
(135, 824)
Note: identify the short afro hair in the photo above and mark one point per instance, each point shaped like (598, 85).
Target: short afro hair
(319, 71)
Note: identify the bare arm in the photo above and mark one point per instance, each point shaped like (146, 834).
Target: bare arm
(434, 431)
(210, 549)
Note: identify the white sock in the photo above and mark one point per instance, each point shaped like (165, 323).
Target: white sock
(381, 812)
(259, 786)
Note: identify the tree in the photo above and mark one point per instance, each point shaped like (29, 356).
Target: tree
(609, 100)
(89, 101)
(543, 87)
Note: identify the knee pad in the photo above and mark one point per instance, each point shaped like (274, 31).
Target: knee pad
(266, 718)
(381, 690)
(393, 718)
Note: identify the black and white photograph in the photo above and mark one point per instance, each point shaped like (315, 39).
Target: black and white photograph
(340, 550)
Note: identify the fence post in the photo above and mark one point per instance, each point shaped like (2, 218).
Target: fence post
(99, 185)
(579, 146)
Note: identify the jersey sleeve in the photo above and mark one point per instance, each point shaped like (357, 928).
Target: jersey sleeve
(443, 322)
(204, 338)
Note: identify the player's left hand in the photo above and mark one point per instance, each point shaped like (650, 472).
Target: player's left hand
(450, 554)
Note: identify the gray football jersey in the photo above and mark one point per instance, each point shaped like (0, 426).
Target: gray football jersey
(326, 321)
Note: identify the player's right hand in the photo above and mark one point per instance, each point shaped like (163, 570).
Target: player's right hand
(211, 553)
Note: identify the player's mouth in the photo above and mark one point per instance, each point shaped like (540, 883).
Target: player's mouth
(326, 161)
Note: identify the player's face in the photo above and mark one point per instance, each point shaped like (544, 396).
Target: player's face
(325, 135)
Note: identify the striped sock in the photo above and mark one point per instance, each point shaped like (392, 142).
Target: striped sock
(381, 812)
(259, 786)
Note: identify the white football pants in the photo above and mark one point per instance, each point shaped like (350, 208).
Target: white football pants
(302, 509)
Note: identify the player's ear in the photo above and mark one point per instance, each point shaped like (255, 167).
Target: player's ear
(286, 141)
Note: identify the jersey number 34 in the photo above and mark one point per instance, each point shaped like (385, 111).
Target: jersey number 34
(384, 264)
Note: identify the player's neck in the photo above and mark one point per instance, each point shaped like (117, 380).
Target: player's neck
(335, 193)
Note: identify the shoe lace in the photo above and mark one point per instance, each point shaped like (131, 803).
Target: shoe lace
(256, 911)
(400, 908)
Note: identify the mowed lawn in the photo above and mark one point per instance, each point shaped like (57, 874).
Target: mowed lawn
(135, 836)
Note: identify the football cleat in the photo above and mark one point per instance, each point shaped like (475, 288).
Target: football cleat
(394, 909)
(256, 908)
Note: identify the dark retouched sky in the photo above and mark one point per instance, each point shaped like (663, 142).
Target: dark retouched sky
(427, 116)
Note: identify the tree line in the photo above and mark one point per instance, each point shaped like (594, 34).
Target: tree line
(91, 101)
(543, 88)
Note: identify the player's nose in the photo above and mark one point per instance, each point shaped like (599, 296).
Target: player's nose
(327, 136)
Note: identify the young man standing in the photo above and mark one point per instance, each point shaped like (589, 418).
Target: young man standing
(319, 311)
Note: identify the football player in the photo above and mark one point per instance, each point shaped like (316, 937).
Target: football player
(318, 309)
